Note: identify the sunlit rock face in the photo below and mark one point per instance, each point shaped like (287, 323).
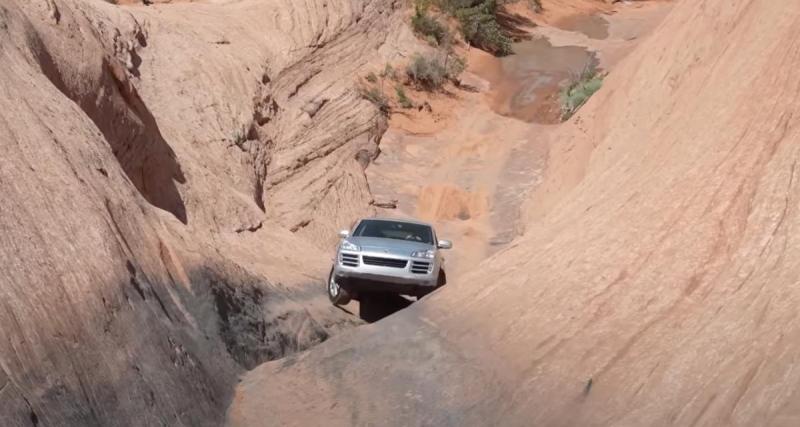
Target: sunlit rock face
(655, 283)
(160, 172)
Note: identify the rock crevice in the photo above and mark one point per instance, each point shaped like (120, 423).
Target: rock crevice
(127, 296)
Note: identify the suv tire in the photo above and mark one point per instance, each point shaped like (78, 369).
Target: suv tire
(337, 294)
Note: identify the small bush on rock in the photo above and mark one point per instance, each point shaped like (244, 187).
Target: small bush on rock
(402, 98)
(580, 89)
(389, 72)
(478, 23)
(428, 27)
(431, 72)
(480, 27)
(376, 97)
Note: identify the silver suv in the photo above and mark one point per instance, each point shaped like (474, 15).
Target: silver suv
(387, 255)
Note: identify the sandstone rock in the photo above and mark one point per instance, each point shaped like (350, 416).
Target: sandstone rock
(385, 203)
(128, 297)
(656, 283)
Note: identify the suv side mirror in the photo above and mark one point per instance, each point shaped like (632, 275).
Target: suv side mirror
(445, 244)
(344, 233)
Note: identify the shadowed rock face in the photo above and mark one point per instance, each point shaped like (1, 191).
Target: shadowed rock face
(655, 283)
(144, 262)
(106, 94)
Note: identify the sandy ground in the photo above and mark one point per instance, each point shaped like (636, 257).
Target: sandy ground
(454, 178)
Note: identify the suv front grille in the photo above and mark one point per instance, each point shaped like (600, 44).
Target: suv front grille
(385, 262)
(350, 260)
(420, 267)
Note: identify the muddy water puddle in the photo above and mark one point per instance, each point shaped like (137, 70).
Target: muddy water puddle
(526, 84)
(593, 26)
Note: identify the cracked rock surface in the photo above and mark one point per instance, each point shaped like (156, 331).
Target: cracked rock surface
(153, 161)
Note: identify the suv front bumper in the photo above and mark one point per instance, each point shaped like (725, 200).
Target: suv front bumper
(377, 278)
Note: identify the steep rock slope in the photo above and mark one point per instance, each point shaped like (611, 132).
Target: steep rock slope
(144, 261)
(655, 283)
(251, 97)
(90, 312)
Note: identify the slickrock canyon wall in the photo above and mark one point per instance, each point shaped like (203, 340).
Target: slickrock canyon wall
(656, 283)
(161, 173)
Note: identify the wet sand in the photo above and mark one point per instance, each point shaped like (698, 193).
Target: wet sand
(593, 26)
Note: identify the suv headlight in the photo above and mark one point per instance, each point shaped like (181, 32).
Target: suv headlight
(347, 246)
(429, 254)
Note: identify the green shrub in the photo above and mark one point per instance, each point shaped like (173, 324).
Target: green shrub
(376, 97)
(428, 27)
(455, 65)
(239, 136)
(480, 28)
(371, 77)
(580, 89)
(426, 72)
(432, 71)
(453, 6)
(478, 23)
(389, 72)
(402, 98)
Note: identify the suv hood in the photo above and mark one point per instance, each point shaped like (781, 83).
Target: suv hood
(389, 246)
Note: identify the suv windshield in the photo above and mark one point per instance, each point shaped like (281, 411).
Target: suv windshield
(394, 230)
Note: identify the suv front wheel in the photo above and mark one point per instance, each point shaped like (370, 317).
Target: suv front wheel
(337, 294)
